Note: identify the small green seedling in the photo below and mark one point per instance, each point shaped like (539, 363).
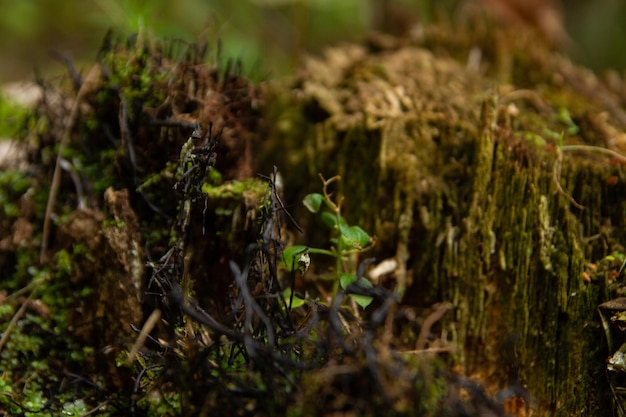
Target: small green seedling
(346, 241)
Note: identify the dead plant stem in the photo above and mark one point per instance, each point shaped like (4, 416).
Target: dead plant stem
(89, 85)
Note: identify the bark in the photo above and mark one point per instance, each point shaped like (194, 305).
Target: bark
(464, 170)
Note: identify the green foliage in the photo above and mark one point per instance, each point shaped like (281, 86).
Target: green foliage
(362, 300)
(346, 241)
(354, 237)
(313, 202)
(295, 300)
(75, 408)
(288, 259)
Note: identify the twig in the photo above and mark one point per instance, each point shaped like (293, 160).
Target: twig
(90, 84)
(530, 95)
(96, 408)
(173, 123)
(82, 199)
(251, 304)
(599, 149)
(33, 284)
(440, 349)
(176, 296)
(152, 321)
(432, 318)
(277, 197)
(556, 173)
(556, 176)
(325, 183)
(18, 315)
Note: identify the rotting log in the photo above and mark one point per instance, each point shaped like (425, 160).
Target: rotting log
(472, 178)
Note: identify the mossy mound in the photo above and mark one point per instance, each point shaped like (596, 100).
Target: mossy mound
(102, 152)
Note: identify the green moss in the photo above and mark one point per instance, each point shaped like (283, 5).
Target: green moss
(81, 249)
(13, 184)
(14, 118)
(136, 73)
(118, 224)
(40, 339)
(24, 269)
(64, 262)
(233, 190)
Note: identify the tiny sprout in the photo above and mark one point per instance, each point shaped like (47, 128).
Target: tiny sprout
(346, 240)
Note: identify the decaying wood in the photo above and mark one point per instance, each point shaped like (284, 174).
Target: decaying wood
(488, 168)
(452, 167)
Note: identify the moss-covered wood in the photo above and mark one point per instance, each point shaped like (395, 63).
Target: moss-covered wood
(122, 201)
(467, 175)
(487, 166)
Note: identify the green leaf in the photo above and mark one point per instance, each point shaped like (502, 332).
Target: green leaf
(289, 260)
(354, 236)
(295, 302)
(346, 279)
(331, 219)
(313, 202)
(362, 300)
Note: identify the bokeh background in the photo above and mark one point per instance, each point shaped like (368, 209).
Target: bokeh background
(268, 36)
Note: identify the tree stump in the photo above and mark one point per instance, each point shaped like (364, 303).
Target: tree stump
(487, 166)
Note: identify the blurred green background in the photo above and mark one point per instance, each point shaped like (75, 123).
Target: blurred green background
(269, 36)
